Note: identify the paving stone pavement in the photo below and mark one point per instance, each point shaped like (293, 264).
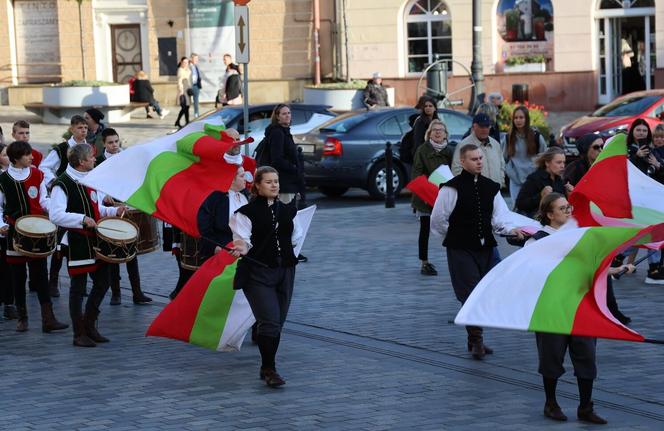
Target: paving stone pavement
(367, 346)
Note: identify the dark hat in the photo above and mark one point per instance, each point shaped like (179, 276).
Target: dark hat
(95, 114)
(584, 142)
(482, 120)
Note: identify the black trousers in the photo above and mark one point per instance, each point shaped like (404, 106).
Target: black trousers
(184, 111)
(551, 350)
(38, 277)
(423, 241)
(467, 267)
(269, 292)
(100, 284)
(7, 285)
(132, 271)
(183, 277)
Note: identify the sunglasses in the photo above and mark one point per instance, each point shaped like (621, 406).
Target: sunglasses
(597, 147)
(439, 130)
(566, 208)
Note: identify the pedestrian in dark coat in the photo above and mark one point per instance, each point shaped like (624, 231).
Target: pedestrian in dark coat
(283, 155)
(374, 94)
(589, 147)
(546, 179)
(427, 105)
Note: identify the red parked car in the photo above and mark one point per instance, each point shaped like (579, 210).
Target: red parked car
(615, 117)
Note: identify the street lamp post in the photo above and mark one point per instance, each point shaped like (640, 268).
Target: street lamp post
(476, 65)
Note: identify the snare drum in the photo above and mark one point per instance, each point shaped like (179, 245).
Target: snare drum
(148, 231)
(34, 236)
(190, 255)
(116, 240)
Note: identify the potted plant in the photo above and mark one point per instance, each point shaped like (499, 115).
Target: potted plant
(526, 63)
(341, 96)
(512, 21)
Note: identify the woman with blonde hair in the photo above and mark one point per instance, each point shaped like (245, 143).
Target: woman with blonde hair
(433, 153)
(143, 92)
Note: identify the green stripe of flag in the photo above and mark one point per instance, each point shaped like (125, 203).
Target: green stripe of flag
(617, 146)
(567, 284)
(161, 169)
(213, 312)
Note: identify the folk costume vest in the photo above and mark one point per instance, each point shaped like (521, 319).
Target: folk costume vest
(61, 149)
(271, 232)
(82, 200)
(470, 221)
(21, 199)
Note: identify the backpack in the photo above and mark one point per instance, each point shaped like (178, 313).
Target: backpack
(407, 149)
(262, 153)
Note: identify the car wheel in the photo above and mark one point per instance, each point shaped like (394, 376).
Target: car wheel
(377, 185)
(333, 192)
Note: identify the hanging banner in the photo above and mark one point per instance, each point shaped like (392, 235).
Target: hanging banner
(211, 35)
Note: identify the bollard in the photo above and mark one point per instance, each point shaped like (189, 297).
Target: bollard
(389, 186)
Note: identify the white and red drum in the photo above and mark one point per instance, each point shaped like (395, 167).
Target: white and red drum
(35, 236)
(116, 239)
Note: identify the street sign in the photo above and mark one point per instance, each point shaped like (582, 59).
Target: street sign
(242, 34)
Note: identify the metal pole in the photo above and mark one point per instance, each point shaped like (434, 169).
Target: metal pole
(476, 65)
(245, 98)
(389, 178)
(316, 42)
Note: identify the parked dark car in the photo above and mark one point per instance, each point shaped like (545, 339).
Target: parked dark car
(349, 151)
(615, 117)
(303, 118)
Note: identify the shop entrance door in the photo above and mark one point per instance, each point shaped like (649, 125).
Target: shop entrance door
(126, 50)
(626, 52)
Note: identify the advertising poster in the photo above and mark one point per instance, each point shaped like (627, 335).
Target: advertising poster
(211, 35)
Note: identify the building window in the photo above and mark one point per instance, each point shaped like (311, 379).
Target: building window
(428, 32)
(627, 4)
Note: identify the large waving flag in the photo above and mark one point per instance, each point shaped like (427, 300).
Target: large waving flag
(427, 189)
(171, 176)
(557, 284)
(208, 312)
(614, 192)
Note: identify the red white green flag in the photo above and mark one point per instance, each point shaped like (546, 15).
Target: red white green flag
(614, 192)
(170, 177)
(557, 284)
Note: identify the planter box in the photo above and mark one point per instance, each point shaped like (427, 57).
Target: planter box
(61, 103)
(340, 99)
(528, 67)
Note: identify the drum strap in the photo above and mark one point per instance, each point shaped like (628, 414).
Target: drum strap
(10, 220)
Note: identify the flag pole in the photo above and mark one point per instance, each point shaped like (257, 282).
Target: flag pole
(653, 341)
(223, 247)
(636, 262)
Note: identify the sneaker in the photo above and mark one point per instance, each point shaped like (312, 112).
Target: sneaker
(428, 269)
(164, 113)
(655, 277)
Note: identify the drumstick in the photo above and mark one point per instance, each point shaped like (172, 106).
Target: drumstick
(110, 228)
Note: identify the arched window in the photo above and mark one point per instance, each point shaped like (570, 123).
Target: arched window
(428, 33)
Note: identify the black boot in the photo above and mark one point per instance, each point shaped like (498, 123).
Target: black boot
(475, 342)
(91, 328)
(81, 339)
(54, 271)
(49, 322)
(22, 324)
(587, 414)
(139, 297)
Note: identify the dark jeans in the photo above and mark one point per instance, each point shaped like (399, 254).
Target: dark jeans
(197, 92)
(184, 111)
(269, 292)
(155, 106)
(38, 275)
(425, 229)
(100, 284)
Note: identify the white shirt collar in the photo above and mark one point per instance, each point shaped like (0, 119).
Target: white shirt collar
(71, 141)
(18, 173)
(109, 155)
(233, 160)
(74, 174)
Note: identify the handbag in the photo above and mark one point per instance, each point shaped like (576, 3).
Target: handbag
(183, 100)
(190, 92)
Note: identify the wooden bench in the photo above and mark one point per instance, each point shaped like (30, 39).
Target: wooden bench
(51, 114)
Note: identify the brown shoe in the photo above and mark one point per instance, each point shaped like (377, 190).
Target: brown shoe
(49, 322)
(22, 324)
(587, 414)
(272, 378)
(476, 342)
(80, 337)
(553, 411)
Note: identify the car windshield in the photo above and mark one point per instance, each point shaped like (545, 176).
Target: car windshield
(227, 115)
(626, 107)
(344, 123)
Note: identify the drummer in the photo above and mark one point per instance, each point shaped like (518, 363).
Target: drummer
(22, 193)
(111, 141)
(77, 209)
